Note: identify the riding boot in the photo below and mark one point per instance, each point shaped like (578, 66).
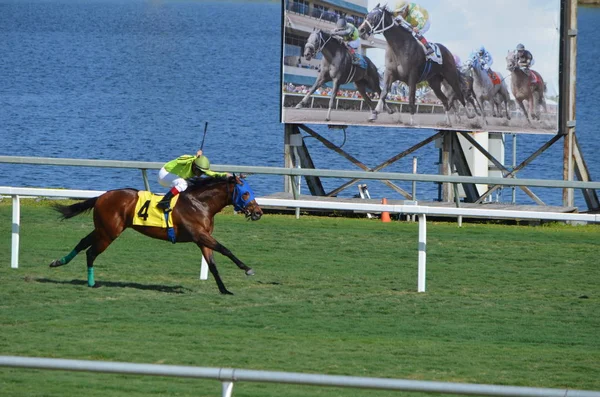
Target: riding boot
(355, 59)
(165, 203)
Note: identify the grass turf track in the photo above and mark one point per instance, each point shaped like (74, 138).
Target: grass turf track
(512, 305)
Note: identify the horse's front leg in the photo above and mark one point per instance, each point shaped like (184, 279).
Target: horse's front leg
(476, 101)
(207, 241)
(520, 102)
(320, 81)
(212, 266)
(387, 84)
(534, 109)
(336, 87)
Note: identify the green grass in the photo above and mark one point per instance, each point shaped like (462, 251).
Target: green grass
(508, 305)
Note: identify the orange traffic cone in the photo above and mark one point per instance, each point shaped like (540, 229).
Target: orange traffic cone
(385, 216)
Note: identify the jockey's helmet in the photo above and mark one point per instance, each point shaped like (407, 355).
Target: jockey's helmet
(341, 23)
(350, 19)
(202, 163)
(482, 50)
(520, 47)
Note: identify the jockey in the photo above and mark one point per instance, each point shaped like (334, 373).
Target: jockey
(174, 174)
(485, 59)
(412, 16)
(524, 58)
(349, 34)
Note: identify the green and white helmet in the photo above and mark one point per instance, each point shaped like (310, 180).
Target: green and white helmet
(202, 163)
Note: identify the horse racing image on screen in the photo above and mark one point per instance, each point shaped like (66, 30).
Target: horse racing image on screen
(442, 64)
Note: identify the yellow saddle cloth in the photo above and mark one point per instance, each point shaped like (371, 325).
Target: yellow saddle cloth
(148, 214)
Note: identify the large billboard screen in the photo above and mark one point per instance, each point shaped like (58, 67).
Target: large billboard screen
(398, 65)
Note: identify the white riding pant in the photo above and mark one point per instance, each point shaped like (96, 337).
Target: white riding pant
(167, 179)
(354, 44)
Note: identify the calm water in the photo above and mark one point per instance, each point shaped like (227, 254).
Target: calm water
(136, 80)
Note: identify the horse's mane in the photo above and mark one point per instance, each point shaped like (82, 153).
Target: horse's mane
(198, 183)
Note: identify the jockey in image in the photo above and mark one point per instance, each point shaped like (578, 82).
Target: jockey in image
(484, 58)
(524, 58)
(174, 174)
(349, 33)
(415, 18)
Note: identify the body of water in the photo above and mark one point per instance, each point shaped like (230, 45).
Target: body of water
(137, 80)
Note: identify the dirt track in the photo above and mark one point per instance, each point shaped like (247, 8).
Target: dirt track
(435, 121)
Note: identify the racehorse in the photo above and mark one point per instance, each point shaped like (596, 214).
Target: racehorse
(524, 87)
(486, 90)
(337, 66)
(466, 86)
(405, 61)
(192, 220)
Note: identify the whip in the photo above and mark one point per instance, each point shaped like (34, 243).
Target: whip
(204, 136)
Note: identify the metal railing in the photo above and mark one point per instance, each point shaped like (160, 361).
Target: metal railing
(325, 173)
(228, 376)
(408, 208)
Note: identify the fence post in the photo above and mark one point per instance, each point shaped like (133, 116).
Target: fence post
(16, 226)
(204, 269)
(422, 252)
(227, 389)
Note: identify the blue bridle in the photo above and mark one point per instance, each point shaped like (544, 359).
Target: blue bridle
(239, 204)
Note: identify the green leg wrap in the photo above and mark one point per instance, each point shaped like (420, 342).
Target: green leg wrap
(91, 281)
(68, 258)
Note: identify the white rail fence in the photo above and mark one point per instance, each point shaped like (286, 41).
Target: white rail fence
(228, 376)
(420, 211)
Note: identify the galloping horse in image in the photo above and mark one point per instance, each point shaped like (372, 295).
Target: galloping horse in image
(192, 220)
(466, 85)
(406, 61)
(337, 66)
(485, 89)
(526, 87)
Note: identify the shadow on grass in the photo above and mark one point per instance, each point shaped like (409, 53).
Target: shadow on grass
(177, 289)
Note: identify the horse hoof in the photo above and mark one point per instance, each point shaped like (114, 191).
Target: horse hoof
(373, 117)
(96, 285)
(299, 106)
(56, 263)
(249, 272)
(225, 292)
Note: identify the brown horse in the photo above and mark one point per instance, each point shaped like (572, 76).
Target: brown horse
(528, 87)
(192, 219)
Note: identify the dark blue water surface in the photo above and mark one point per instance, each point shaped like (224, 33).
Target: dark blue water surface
(136, 80)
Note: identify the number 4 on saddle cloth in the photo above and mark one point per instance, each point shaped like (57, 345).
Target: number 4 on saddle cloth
(148, 214)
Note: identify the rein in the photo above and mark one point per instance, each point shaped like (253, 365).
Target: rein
(322, 43)
(377, 29)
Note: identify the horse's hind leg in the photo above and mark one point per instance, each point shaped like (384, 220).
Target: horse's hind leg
(436, 85)
(100, 244)
(212, 266)
(83, 244)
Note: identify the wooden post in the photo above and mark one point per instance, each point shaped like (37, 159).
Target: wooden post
(287, 157)
(568, 95)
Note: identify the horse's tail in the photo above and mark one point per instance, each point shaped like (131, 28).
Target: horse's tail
(69, 211)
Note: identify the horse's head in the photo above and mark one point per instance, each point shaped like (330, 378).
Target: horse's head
(511, 61)
(314, 44)
(377, 21)
(244, 200)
